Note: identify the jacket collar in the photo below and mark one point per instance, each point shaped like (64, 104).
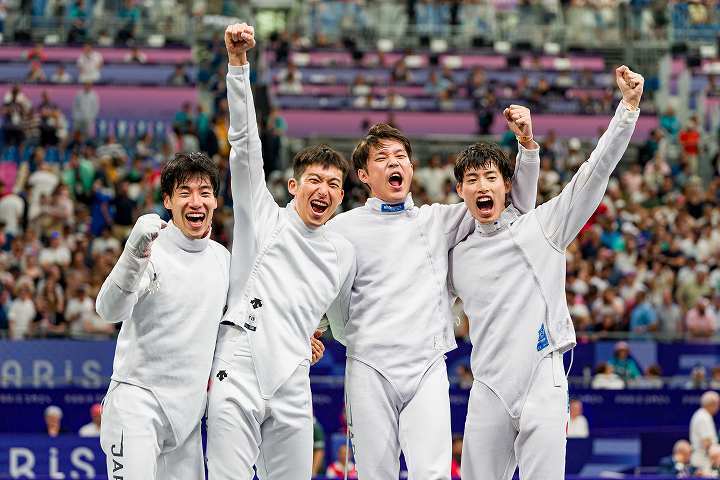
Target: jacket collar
(377, 205)
(507, 217)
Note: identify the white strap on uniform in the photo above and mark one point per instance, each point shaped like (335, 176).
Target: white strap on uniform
(557, 368)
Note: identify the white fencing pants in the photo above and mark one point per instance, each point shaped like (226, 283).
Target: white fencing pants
(244, 429)
(381, 424)
(495, 443)
(138, 441)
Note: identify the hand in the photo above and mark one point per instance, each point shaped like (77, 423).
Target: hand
(630, 84)
(239, 38)
(519, 120)
(317, 346)
(146, 230)
(520, 123)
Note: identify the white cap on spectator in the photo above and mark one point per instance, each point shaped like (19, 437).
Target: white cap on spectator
(53, 411)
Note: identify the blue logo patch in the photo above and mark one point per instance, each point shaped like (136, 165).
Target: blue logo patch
(392, 207)
(542, 338)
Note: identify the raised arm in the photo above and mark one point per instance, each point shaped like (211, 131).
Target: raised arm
(563, 216)
(527, 162)
(255, 211)
(120, 291)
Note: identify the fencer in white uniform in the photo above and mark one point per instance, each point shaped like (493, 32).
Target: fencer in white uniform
(397, 318)
(168, 288)
(286, 271)
(510, 275)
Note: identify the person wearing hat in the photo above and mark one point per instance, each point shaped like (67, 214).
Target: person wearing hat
(92, 429)
(623, 364)
(53, 417)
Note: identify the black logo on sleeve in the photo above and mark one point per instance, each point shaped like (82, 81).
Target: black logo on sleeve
(117, 466)
(256, 303)
(221, 375)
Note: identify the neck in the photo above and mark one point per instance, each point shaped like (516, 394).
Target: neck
(307, 225)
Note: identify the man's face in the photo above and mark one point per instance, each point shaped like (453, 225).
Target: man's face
(389, 172)
(484, 191)
(317, 194)
(192, 205)
(575, 409)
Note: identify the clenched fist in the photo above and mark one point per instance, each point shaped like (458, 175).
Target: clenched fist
(519, 121)
(146, 230)
(630, 84)
(239, 38)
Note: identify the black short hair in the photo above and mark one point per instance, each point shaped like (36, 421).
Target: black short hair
(186, 166)
(321, 154)
(375, 136)
(482, 155)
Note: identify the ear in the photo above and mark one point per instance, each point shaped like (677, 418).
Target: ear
(508, 186)
(293, 186)
(458, 189)
(166, 202)
(363, 176)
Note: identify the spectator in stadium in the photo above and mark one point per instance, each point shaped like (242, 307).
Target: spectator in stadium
(670, 123)
(86, 107)
(92, 429)
(12, 209)
(179, 77)
(337, 468)
(89, 64)
(715, 378)
(679, 463)
(651, 380)
(21, 313)
(135, 56)
(318, 461)
(703, 432)
(670, 317)
(577, 424)
(698, 378)
(36, 74)
(53, 421)
(290, 80)
(701, 320)
(643, 318)
(16, 108)
(690, 140)
(623, 364)
(606, 379)
(56, 253)
(457, 446)
(35, 54)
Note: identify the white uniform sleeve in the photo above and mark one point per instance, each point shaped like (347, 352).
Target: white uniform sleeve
(120, 292)
(525, 179)
(254, 209)
(563, 216)
(339, 312)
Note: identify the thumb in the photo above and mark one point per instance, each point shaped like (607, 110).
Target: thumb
(318, 334)
(506, 114)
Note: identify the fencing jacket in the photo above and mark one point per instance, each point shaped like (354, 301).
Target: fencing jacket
(171, 305)
(510, 274)
(284, 275)
(397, 316)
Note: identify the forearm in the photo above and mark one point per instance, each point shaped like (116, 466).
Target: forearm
(119, 293)
(525, 178)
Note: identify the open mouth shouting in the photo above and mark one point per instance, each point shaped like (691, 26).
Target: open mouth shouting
(195, 219)
(396, 180)
(319, 207)
(485, 205)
